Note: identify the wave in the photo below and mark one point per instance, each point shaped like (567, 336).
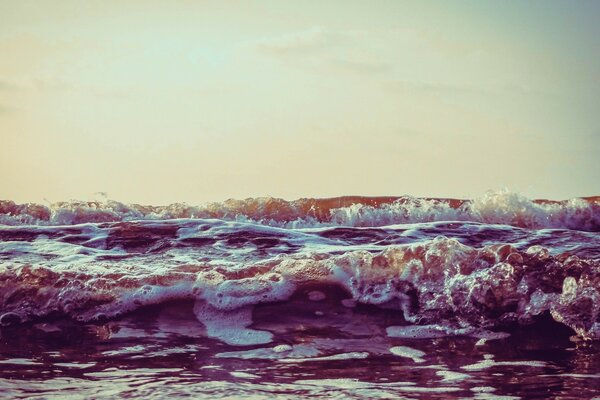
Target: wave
(437, 281)
(500, 207)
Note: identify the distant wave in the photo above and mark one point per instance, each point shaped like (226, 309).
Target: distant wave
(499, 207)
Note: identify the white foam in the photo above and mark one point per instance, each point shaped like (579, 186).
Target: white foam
(243, 375)
(273, 353)
(408, 352)
(492, 396)
(228, 294)
(282, 348)
(488, 363)
(355, 355)
(230, 326)
(417, 331)
(452, 376)
(340, 383)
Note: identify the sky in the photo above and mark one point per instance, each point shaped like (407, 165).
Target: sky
(158, 102)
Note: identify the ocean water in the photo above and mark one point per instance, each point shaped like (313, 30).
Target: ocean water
(352, 297)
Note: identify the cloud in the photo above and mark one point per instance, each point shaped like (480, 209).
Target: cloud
(406, 86)
(430, 87)
(36, 83)
(339, 49)
(361, 64)
(315, 38)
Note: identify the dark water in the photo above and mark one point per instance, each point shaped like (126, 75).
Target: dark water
(160, 352)
(497, 297)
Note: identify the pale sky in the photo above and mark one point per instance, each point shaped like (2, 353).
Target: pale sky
(167, 101)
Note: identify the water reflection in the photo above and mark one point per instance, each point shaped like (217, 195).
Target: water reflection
(162, 352)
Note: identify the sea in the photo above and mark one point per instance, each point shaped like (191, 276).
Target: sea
(392, 297)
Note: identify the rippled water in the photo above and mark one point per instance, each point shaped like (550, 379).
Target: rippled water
(338, 298)
(344, 353)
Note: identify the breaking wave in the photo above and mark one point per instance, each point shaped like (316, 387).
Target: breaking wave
(438, 281)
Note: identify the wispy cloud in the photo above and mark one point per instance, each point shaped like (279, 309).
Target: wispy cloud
(333, 48)
(433, 87)
(315, 38)
(36, 84)
(366, 64)
(444, 88)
